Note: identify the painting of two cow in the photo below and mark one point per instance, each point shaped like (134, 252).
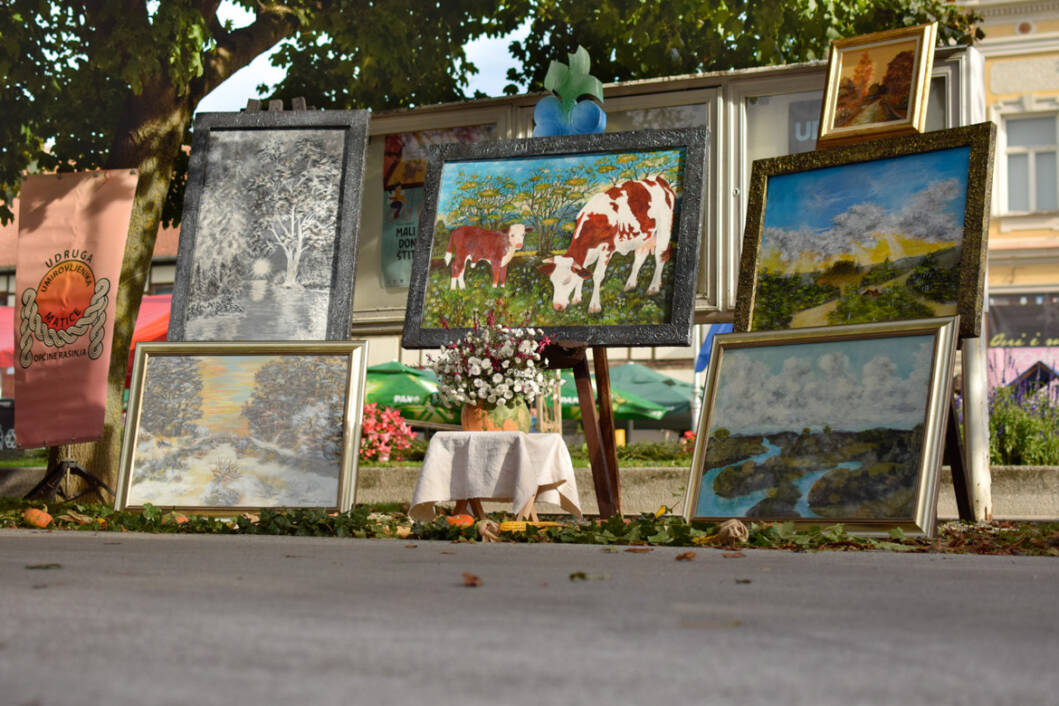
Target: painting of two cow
(582, 239)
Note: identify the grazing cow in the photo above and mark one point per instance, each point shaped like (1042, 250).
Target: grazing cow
(471, 244)
(635, 216)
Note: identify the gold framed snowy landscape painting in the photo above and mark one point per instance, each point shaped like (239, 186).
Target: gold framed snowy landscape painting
(234, 427)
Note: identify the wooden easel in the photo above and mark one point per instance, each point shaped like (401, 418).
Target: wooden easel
(598, 422)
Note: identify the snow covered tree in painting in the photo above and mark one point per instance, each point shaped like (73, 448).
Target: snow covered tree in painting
(302, 184)
(297, 404)
(173, 389)
(265, 235)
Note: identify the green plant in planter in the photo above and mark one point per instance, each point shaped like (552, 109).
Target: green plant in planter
(1024, 427)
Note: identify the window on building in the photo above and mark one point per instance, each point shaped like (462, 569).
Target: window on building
(1032, 177)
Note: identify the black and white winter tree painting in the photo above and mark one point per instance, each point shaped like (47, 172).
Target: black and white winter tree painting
(266, 234)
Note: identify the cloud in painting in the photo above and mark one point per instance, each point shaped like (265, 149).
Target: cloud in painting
(755, 395)
(933, 215)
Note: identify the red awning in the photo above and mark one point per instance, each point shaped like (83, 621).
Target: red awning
(152, 324)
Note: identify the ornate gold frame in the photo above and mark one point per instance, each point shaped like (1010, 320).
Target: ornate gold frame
(925, 37)
(980, 138)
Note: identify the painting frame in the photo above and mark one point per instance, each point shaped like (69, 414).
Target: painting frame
(979, 139)
(254, 127)
(935, 410)
(347, 417)
(920, 40)
(686, 231)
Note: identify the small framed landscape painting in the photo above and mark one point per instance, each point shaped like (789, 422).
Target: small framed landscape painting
(233, 427)
(592, 238)
(269, 230)
(826, 425)
(878, 85)
(887, 230)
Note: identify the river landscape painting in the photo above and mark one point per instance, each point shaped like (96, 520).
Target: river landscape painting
(223, 426)
(822, 430)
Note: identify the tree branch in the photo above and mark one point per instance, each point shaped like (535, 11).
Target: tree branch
(237, 49)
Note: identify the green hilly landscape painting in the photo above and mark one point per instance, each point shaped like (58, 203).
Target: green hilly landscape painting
(880, 240)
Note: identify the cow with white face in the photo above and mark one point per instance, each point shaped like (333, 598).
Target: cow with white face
(469, 245)
(632, 217)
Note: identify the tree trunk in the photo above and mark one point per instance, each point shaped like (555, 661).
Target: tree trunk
(148, 139)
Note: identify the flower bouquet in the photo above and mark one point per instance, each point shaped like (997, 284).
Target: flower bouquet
(492, 367)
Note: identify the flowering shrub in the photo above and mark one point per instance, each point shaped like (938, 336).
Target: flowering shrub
(1024, 426)
(383, 433)
(687, 443)
(492, 364)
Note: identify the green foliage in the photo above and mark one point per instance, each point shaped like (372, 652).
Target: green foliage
(646, 40)
(891, 304)
(529, 293)
(940, 284)
(778, 297)
(365, 522)
(641, 453)
(1023, 428)
(883, 272)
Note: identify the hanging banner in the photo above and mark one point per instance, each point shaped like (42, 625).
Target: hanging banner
(71, 239)
(404, 168)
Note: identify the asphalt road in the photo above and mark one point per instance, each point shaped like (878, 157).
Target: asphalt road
(115, 619)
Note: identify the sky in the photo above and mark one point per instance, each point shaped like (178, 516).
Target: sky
(848, 209)
(814, 198)
(489, 55)
(848, 385)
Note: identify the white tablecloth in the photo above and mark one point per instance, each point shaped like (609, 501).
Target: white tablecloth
(505, 466)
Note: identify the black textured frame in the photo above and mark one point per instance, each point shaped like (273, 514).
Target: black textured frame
(980, 138)
(343, 265)
(675, 332)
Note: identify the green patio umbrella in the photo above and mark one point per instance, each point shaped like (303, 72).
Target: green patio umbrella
(411, 391)
(635, 379)
(625, 404)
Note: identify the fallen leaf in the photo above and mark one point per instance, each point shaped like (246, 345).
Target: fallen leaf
(471, 580)
(488, 530)
(686, 556)
(579, 576)
(448, 552)
(411, 546)
(733, 555)
(732, 531)
(78, 517)
(639, 550)
(44, 566)
(742, 580)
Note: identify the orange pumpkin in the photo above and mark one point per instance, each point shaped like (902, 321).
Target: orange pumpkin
(460, 520)
(36, 517)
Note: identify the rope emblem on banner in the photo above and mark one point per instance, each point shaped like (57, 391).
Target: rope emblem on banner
(32, 326)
